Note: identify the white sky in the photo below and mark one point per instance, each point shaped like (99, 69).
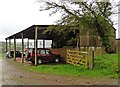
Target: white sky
(16, 15)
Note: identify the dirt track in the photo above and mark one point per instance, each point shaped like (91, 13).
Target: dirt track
(15, 75)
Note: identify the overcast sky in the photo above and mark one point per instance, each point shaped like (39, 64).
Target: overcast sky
(16, 15)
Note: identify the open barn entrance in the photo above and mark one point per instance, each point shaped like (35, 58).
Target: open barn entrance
(35, 39)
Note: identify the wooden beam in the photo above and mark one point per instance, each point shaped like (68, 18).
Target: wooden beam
(14, 49)
(22, 47)
(36, 34)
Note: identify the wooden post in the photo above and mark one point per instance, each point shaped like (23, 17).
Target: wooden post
(6, 45)
(22, 47)
(91, 63)
(14, 49)
(34, 44)
(28, 43)
(43, 43)
(52, 44)
(36, 33)
(9, 45)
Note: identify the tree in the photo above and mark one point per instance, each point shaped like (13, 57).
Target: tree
(80, 17)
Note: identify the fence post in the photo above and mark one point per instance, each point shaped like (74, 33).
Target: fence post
(92, 59)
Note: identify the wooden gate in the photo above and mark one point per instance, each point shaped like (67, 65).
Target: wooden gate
(77, 58)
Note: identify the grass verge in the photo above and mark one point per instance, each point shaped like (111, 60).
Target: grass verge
(105, 66)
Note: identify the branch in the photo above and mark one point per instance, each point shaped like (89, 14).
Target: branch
(84, 4)
(57, 7)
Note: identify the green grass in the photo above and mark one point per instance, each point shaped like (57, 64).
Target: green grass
(105, 66)
(2, 55)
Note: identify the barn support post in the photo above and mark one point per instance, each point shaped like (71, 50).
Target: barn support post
(14, 49)
(36, 34)
(22, 47)
(9, 45)
(6, 45)
(28, 43)
(43, 43)
(52, 44)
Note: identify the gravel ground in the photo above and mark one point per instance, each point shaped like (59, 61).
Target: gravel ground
(15, 75)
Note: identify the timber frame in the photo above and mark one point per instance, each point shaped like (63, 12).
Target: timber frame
(34, 32)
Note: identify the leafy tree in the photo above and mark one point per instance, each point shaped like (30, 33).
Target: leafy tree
(80, 17)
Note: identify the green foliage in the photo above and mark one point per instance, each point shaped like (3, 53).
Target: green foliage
(108, 33)
(92, 17)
